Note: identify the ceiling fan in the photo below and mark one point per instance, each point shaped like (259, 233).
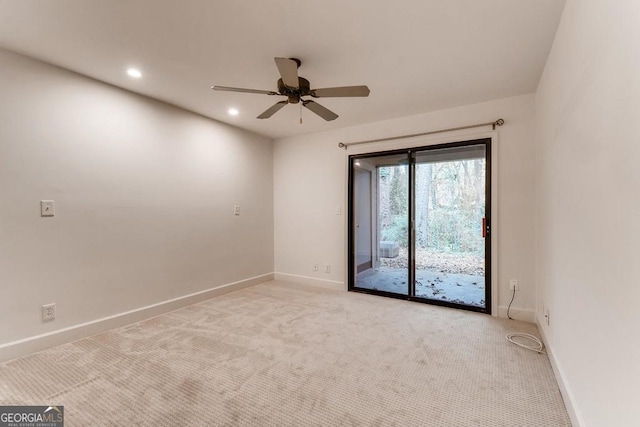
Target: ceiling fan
(295, 87)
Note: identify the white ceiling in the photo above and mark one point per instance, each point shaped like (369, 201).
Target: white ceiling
(415, 55)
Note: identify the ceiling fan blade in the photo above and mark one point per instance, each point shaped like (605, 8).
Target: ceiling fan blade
(323, 112)
(288, 69)
(237, 89)
(340, 91)
(273, 109)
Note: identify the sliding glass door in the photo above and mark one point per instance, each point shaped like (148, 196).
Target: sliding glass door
(419, 224)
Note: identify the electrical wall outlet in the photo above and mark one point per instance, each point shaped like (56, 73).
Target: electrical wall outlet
(513, 285)
(48, 312)
(315, 267)
(236, 210)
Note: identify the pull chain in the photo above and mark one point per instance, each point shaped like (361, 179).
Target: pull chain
(300, 112)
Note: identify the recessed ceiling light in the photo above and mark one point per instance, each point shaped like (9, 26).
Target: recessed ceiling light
(134, 72)
(233, 111)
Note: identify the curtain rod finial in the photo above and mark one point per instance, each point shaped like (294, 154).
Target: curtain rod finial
(342, 145)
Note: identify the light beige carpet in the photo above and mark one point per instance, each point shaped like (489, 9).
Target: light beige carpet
(280, 354)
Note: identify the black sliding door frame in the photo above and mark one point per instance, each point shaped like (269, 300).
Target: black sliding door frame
(411, 232)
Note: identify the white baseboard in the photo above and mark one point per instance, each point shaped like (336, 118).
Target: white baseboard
(33, 344)
(516, 313)
(565, 391)
(312, 281)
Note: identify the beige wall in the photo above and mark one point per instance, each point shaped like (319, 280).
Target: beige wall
(310, 182)
(144, 197)
(588, 209)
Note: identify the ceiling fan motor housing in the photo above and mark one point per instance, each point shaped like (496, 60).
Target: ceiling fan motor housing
(292, 93)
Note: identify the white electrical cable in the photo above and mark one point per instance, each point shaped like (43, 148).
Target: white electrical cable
(538, 347)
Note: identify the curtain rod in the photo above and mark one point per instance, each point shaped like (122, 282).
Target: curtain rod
(346, 145)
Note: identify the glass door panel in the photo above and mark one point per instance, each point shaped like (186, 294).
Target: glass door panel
(380, 218)
(450, 201)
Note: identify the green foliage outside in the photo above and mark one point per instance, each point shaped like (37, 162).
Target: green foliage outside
(397, 231)
(449, 206)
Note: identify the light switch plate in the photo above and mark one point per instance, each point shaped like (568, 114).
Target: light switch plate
(47, 208)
